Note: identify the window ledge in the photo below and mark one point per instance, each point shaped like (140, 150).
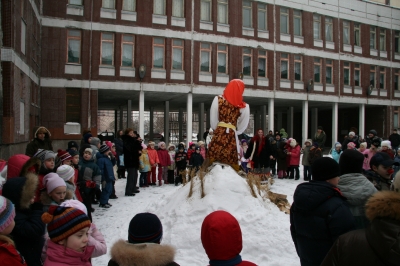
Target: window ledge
(74, 10)
(223, 27)
(285, 83)
(261, 81)
(158, 73)
(128, 15)
(298, 39)
(347, 89)
(159, 19)
(318, 87)
(263, 34)
(106, 70)
(178, 74)
(73, 68)
(397, 56)
(108, 13)
(205, 77)
(383, 54)
(330, 88)
(373, 52)
(285, 37)
(329, 45)
(178, 22)
(222, 78)
(127, 72)
(248, 31)
(357, 49)
(298, 85)
(248, 80)
(383, 93)
(397, 94)
(318, 43)
(358, 90)
(206, 25)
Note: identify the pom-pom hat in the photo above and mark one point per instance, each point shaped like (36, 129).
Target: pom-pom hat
(63, 222)
(66, 172)
(7, 213)
(63, 155)
(43, 155)
(145, 228)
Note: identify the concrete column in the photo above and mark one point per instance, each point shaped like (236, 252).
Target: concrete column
(166, 122)
(121, 118)
(271, 114)
(180, 123)
(201, 121)
(334, 123)
(290, 122)
(304, 132)
(141, 114)
(189, 110)
(151, 126)
(314, 120)
(129, 115)
(279, 122)
(263, 112)
(361, 117)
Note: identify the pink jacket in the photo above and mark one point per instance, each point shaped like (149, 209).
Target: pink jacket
(203, 152)
(294, 157)
(368, 155)
(163, 157)
(58, 255)
(153, 157)
(96, 240)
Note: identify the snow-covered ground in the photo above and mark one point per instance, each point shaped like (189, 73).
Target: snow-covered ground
(265, 229)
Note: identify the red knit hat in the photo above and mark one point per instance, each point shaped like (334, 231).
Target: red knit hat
(63, 155)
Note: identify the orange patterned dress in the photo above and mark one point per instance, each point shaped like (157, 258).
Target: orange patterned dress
(223, 145)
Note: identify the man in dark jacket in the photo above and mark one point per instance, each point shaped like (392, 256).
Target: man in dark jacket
(132, 151)
(352, 137)
(395, 140)
(379, 243)
(262, 153)
(372, 136)
(41, 140)
(319, 213)
(320, 137)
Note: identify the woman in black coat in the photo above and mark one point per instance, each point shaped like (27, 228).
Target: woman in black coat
(132, 149)
(119, 148)
(262, 153)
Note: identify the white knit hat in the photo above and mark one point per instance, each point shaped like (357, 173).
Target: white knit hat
(66, 172)
(386, 143)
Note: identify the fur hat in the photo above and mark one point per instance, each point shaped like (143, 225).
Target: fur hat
(74, 204)
(337, 144)
(351, 145)
(66, 172)
(293, 143)
(44, 155)
(52, 181)
(103, 148)
(309, 141)
(20, 190)
(145, 228)
(95, 141)
(386, 143)
(7, 213)
(351, 161)
(383, 204)
(376, 142)
(63, 155)
(63, 222)
(324, 168)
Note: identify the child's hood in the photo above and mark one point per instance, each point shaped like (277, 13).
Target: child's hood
(20, 165)
(37, 129)
(171, 145)
(20, 190)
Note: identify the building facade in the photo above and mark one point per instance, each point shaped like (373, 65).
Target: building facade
(304, 63)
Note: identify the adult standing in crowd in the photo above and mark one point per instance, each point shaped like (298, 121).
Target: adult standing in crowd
(352, 137)
(119, 147)
(259, 153)
(132, 150)
(320, 137)
(85, 140)
(372, 136)
(394, 140)
(41, 140)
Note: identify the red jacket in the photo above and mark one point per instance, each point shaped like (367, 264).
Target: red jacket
(294, 157)
(163, 157)
(153, 156)
(222, 239)
(9, 256)
(77, 193)
(189, 153)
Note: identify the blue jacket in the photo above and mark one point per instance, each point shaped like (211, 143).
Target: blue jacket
(318, 216)
(106, 167)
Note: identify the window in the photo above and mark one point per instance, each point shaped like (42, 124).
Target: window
(357, 75)
(372, 38)
(346, 32)
(75, 2)
(328, 72)
(346, 73)
(107, 49)
(177, 54)
(74, 46)
(128, 44)
(178, 8)
(222, 58)
(247, 14)
(357, 40)
(159, 7)
(328, 29)
(73, 105)
(246, 62)
(382, 78)
(317, 70)
(317, 27)
(297, 67)
(382, 39)
(223, 11)
(262, 16)
(158, 52)
(284, 20)
(262, 64)
(397, 42)
(129, 5)
(205, 10)
(372, 76)
(109, 4)
(205, 57)
(297, 22)
(284, 66)
(396, 80)
(23, 36)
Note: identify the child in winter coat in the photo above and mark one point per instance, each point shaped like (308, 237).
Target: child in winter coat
(115, 167)
(293, 151)
(386, 147)
(171, 167)
(154, 161)
(29, 229)
(48, 163)
(196, 160)
(75, 164)
(9, 255)
(68, 231)
(396, 168)
(281, 163)
(336, 151)
(144, 167)
(363, 147)
(351, 146)
(55, 191)
(181, 162)
(369, 153)
(67, 173)
(64, 157)
(106, 162)
(243, 150)
(202, 149)
(305, 160)
(191, 150)
(165, 161)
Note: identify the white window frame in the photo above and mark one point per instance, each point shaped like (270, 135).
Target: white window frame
(284, 15)
(208, 50)
(397, 40)
(346, 68)
(75, 2)
(357, 32)
(159, 45)
(225, 52)
(133, 9)
(262, 55)
(182, 8)
(372, 37)
(372, 73)
(223, 6)
(298, 61)
(110, 6)
(204, 16)
(285, 58)
(72, 37)
(382, 39)
(247, 53)
(246, 8)
(262, 9)
(329, 69)
(382, 76)
(328, 30)
(162, 12)
(317, 27)
(177, 47)
(132, 43)
(346, 27)
(298, 16)
(396, 77)
(107, 41)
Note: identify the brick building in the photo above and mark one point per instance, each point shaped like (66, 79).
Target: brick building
(304, 63)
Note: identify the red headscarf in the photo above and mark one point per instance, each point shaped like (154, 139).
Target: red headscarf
(233, 93)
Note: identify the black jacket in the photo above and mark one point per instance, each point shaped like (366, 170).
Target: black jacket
(260, 159)
(196, 159)
(119, 146)
(181, 160)
(318, 216)
(354, 139)
(131, 151)
(394, 140)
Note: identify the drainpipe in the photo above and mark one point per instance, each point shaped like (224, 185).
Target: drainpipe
(90, 68)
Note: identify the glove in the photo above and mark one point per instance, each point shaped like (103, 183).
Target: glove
(90, 184)
(103, 185)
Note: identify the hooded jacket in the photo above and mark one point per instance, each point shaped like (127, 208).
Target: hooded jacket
(171, 156)
(131, 151)
(379, 243)
(318, 216)
(36, 143)
(336, 154)
(321, 138)
(58, 255)
(357, 189)
(9, 256)
(28, 233)
(106, 166)
(126, 254)
(20, 165)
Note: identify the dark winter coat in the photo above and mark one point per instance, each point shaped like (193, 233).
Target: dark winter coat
(89, 171)
(119, 146)
(314, 154)
(37, 144)
(106, 166)
(260, 156)
(281, 157)
(132, 149)
(354, 139)
(124, 253)
(318, 216)
(379, 243)
(321, 138)
(180, 159)
(196, 160)
(379, 182)
(394, 139)
(369, 140)
(274, 148)
(29, 230)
